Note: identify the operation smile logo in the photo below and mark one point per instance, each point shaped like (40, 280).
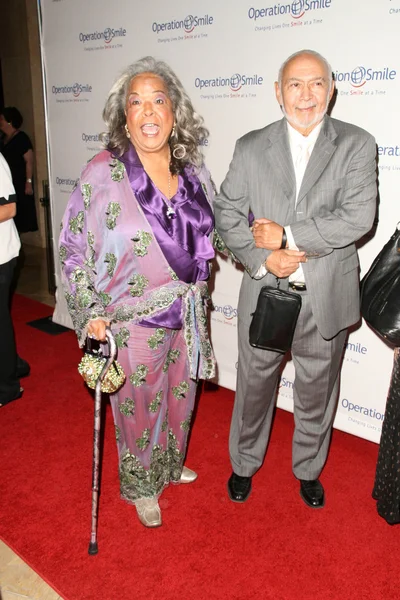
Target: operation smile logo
(66, 184)
(359, 76)
(234, 83)
(295, 10)
(72, 93)
(355, 411)
(92, 141)
(227, 310)
(353, 351)
(106, 37)
(285, 387)
(186, 25)
(389, 158)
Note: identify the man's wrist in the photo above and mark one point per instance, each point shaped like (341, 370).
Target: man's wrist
(284, 239)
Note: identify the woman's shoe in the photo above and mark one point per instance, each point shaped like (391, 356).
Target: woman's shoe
(149, 512)
(188, 476)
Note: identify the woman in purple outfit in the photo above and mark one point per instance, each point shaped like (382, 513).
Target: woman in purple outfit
(135, 248)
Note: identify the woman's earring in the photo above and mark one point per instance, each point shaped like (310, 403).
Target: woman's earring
(173, 131)
(179, 151)
(128, 135)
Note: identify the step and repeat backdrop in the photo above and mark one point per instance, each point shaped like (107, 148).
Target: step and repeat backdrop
(227, 55)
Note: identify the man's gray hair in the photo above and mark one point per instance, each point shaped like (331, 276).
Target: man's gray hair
(189, 128)
(310, 53)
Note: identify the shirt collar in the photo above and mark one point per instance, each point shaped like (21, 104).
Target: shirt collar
(297, 139)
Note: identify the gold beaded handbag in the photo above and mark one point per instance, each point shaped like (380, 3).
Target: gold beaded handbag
(91, 366)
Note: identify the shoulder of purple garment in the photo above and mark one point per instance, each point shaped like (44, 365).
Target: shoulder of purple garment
(99, 164)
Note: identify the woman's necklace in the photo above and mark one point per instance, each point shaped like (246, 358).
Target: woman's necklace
(170, 211)
(9, 138)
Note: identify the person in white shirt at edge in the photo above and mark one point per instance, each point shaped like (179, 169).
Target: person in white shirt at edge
(11, 366)
(310, 182)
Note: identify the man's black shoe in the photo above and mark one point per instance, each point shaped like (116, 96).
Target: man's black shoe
(312, 493)
(239, 488)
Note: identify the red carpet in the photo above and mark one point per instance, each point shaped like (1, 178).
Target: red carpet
(272, 547)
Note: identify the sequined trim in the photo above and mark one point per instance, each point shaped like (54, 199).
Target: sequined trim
(127, 408)
(180, 391)
(219, 244)
(172, 357)
(185, 425)
(157, 338)
(76, 223)
(156, 403)
(86, 190)
(174, 276)
(113, 211)
(117, 170)
(111, 261)
(164, 425)
(144, 440)
(122, 337)
(141, 241)
(138, 284)
(138, 378)
(84, 304)
(200, 352)
(105, 298)
(90, 262)
(165, 466)
(63, 253)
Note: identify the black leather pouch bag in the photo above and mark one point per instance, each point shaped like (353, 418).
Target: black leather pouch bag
(275, 318)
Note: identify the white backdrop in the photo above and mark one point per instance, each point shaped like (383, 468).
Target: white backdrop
(227, 56)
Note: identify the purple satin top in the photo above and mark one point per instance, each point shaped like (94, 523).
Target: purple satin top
(183, 239)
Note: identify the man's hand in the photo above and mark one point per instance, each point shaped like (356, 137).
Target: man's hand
(97, 329)
(267, 234)
(283, 263)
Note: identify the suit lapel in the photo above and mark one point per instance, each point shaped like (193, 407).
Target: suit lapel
(323, 151)
(280, 159)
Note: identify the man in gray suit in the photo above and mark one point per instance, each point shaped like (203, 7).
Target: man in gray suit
(310, 182)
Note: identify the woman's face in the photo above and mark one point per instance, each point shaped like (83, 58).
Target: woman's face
(4, 126)
(149, 114)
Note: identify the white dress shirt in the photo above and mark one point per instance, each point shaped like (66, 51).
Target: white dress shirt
(9, 238)
(301, 148)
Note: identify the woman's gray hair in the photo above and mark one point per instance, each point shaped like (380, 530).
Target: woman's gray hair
(311, 53)
(189, 128)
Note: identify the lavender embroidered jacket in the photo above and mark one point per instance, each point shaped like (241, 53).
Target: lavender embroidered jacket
(125, 260)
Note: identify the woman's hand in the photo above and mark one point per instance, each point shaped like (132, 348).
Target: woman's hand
(97, 329)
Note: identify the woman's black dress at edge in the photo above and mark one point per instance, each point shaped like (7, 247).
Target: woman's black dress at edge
(387, 479)
(13, 152)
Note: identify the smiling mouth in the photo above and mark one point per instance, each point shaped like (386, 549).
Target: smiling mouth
(150, 129)
(306, 108)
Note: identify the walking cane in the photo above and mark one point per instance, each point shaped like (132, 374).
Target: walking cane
(93, 548)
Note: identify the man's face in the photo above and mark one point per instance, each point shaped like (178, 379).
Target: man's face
(305, 92)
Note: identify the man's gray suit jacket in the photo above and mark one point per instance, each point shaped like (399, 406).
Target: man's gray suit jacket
(335, 207)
